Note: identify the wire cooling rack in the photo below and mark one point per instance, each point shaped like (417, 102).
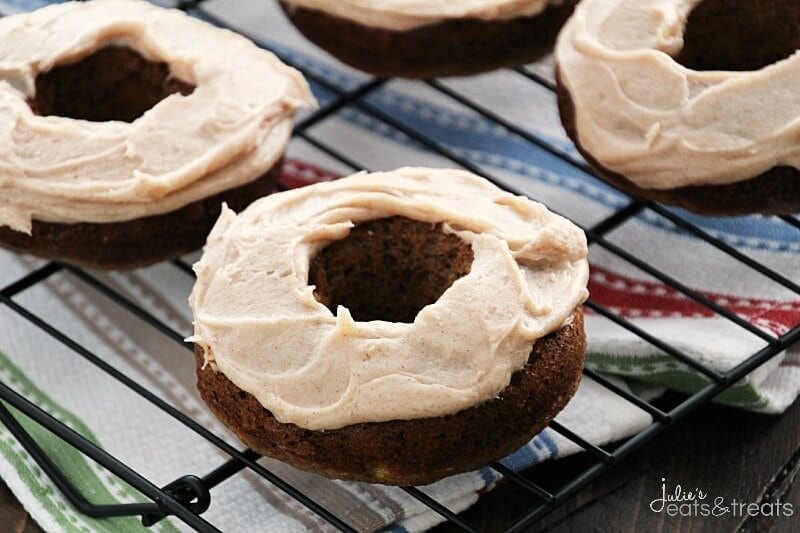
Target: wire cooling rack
(189, 496)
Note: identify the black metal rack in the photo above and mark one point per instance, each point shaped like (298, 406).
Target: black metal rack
(189, 496)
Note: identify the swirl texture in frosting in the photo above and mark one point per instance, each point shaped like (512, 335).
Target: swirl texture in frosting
(258, 322)
(661, 125)
(229, 131)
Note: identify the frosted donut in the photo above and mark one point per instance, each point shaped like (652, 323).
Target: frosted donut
(350, 310)
(691, 103)
(123, 124)
(414, 38)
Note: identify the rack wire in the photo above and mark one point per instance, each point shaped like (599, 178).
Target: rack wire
(189, 496)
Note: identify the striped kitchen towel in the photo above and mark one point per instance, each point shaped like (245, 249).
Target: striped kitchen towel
(104, 410)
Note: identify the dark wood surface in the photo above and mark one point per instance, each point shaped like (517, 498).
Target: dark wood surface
(723, 451)
(12, 516)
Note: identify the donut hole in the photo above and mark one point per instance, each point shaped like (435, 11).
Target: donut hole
(740, 35)
(113, 83)
(389, 269)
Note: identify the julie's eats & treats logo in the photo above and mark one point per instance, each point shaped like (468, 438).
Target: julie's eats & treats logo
(675, 500)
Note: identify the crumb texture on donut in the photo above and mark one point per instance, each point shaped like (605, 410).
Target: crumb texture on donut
(651, 104)
(114, 83)
(740, 35)
(328, 303)
(388, 269)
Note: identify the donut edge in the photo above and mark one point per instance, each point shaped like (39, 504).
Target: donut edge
(138, 242)
(774, 192)
(419, 451)
(452, 48)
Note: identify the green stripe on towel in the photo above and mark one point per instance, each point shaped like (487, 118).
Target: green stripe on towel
(665, 371)
(94, 482)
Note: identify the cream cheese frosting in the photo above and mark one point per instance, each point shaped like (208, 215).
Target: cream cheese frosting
(258, 322)
(229, 131)
(402, 15)
(661, 125)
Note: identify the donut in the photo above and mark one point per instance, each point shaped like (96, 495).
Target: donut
(392, 328)
(125, 126)
(689, 103)
(414, 39)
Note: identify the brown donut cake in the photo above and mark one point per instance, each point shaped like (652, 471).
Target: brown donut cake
(364, 328)
(687, 103)
(139, 242)
(390, 452)
(415, 39)
(127, 126)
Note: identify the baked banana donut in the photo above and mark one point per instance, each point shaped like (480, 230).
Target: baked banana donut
(124, 127)
(364, 328)
(414, 39)
(691, 103)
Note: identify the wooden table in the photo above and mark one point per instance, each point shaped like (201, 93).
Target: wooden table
(723, 451)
